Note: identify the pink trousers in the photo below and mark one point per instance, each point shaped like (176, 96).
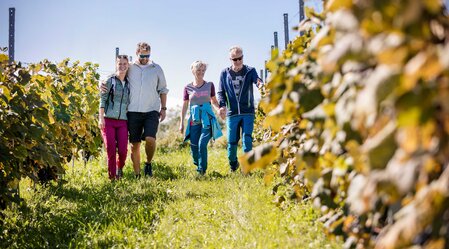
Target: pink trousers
(115, 137)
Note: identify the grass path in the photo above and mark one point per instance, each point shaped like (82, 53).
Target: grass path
(174, 209)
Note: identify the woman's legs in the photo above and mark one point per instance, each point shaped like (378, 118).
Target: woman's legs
(122, 142)
(109, 138)
(206, 134)
(195, 133)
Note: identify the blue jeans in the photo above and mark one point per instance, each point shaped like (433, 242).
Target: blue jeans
(235, 125)
(199, 138)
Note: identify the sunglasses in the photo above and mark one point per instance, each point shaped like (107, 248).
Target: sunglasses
(237, 59)
(144, 56)
(122, 56)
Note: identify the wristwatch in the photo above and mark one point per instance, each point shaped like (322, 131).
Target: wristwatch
(164, 108)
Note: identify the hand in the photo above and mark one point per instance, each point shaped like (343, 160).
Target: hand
(181, 128)
(101, 123)
(259, 83)
(162, 115)
(223, 112)
(103, 87)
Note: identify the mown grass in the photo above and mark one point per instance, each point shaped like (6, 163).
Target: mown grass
(174, 209)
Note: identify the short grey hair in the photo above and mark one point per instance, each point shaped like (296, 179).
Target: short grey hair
(197, 64)
(237, 49)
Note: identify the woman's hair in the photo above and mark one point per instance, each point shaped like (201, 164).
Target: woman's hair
(197, 64)
(122, 56)
(143, 46)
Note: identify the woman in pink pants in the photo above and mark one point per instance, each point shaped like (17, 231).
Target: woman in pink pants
(112, 118)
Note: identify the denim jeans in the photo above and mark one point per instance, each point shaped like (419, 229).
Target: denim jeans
(236, 125)
(199, 138)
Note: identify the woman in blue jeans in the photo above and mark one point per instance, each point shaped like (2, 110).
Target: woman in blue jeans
(202, 125)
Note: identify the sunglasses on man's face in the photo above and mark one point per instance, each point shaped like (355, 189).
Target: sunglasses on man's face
(237, 59)
(144, 56)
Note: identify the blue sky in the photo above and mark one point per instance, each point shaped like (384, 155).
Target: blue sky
(178, 31)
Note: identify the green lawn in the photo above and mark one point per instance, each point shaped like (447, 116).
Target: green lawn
(174, 209)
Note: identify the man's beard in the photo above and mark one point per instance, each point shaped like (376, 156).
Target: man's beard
(143, 61)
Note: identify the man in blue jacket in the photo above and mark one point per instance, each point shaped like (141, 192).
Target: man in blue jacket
(236, 99)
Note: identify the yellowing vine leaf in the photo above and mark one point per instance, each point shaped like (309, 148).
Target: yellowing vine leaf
(259, 158)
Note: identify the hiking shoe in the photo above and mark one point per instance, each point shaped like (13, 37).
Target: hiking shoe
(137, 176)
(199, 176)
(148, 170)
(234, 166)
(119, 173)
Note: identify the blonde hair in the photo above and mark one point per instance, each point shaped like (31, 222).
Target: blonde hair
(122, 56)
(198, 64)
(143, 46)
(237, 49)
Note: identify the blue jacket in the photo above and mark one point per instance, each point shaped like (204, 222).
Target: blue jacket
(204, 114)
(227, 97)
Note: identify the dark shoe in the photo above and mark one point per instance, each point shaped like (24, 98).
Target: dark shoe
(119, 173)
(137, 176)
(148, 170)
(234, 166)
(200, 175)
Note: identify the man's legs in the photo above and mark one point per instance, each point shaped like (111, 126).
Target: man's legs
(135, 127)
(135, 157)
(149, 134)
(150, 147)
(247, 132)
(233, 132)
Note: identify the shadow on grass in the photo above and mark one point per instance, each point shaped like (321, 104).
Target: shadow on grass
(64, 213)
(165, 172)
(217, 175)
(197, 195)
